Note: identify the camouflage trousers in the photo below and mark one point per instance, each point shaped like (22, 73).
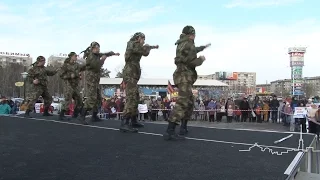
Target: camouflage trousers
(34, 92)
(70, 92)
(184, 104)
(93, 92)
(132, 97)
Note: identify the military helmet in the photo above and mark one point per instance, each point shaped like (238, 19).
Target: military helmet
(188, 30)
(94, 44)
(139, 34)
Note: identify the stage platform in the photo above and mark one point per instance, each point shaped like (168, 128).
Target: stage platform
(44, 148)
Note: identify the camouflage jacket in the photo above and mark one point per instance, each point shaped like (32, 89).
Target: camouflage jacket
(186, 60)
(133, 55)
(71, 68)
(93, 62)
(40, 73)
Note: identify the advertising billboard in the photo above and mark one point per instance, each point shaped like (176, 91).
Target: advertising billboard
(14, 54)
(296, 63)
(223, 75)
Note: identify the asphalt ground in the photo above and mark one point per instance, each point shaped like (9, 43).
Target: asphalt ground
(45, 148)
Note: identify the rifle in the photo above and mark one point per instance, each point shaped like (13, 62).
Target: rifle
(108, 54)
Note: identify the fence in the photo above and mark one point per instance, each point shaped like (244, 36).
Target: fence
(205, 115)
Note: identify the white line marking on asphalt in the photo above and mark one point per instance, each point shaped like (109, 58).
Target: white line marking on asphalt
(155, 134)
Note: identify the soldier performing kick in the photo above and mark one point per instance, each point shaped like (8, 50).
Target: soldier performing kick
(70, 73)
(94, 62)
(37, 82)
(184, 77)
(131, 75)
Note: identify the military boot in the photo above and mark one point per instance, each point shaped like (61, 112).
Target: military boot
(46, 112)
(170, 134)
(135, 123)
(126, 127)
(27, 114)
(82, 117)
(94, 117)
(62, 115)
(183, 128)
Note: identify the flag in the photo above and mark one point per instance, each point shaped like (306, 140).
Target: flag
(170, 88)
(123, 85)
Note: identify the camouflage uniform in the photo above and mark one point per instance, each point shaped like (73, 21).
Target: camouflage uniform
(131, 75)
(93, 92)
(40, 89)
(184, 77)
(70, 73)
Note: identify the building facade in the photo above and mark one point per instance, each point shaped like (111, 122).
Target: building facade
(58, 59)
(158, 87)
(18, 58)
(284, 87)
(263, 88)
(239, 82)
(311, 86)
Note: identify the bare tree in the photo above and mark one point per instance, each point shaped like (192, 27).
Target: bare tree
(55, 84)
(309, 89)
(9, 75)
(105, 73)
(119, 71)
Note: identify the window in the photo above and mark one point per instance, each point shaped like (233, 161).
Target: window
(14, 60)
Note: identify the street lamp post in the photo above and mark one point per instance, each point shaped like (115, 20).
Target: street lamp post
(24, 76)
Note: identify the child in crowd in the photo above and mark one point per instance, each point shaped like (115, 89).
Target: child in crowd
(258, 114)
(237, 113)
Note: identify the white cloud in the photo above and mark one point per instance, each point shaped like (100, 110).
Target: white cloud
(259, 3)
(261, 48)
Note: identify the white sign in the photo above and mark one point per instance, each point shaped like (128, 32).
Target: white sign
(14, 54)
(37, 107)
(300, 112)
(142, 108)
(297, 49)
(64, 55)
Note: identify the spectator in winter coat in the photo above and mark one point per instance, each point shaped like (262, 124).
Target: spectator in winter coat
(288, 114)
(202, 109)
(4, 107)
(274, 106)
(229, 114)
(212, 106)
(237, 113)
(244, 107)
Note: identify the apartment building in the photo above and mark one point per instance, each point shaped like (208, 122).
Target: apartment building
(19, 58)
(311, 86)
(244, 82)
(58, 59)
(282, 87)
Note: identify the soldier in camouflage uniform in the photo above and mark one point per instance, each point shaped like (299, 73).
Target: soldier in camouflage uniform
(184, 77)
(37, 86)
(94, 62)
(131, 75)
(70, 73)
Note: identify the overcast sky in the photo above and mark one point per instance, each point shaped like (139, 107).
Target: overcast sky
(246, 35)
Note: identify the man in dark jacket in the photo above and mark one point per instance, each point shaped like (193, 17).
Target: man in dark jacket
(274, 105)
(244, 108)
